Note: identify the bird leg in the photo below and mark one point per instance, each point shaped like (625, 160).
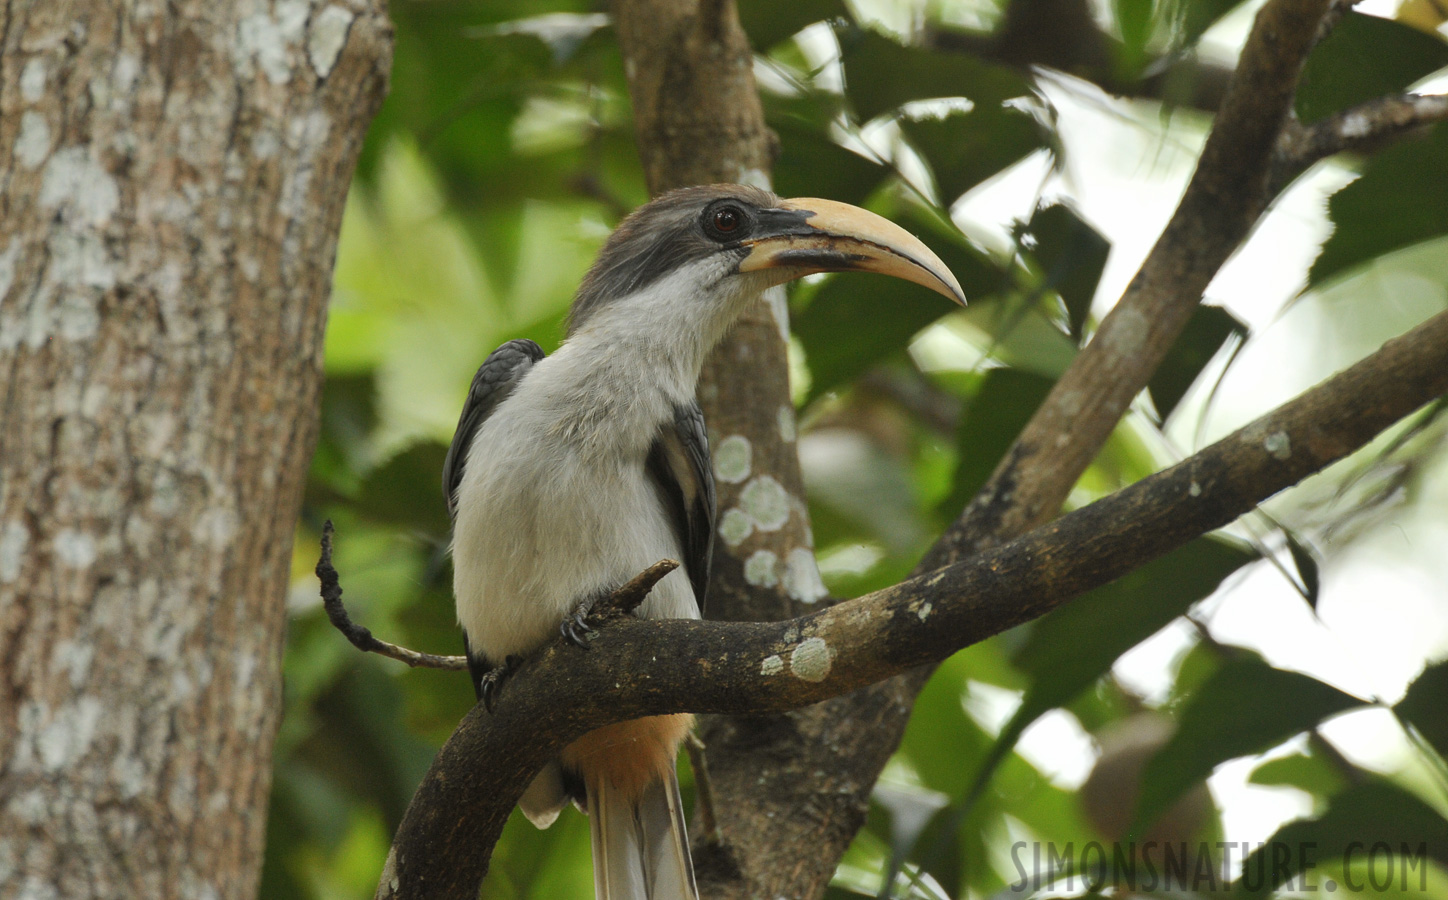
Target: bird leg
(578, 628)
(492, 680)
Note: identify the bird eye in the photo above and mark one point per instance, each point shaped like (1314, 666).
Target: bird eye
(727, 219)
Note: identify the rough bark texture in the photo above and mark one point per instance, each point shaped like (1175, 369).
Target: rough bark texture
(649, 666)
(172, 177)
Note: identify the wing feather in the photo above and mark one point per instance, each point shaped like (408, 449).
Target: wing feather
(494, 381)
(679, 464)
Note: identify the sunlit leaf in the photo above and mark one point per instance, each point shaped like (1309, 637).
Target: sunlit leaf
(966, 148)
(1365, 57)
(1135, 21)
(881, 75)
(1311, 773)
(1246, 707)
(1400, 200)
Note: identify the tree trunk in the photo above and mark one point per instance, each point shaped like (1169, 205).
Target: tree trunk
(172, 177)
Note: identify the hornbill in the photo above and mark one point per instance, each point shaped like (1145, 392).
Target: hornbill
(570, 474)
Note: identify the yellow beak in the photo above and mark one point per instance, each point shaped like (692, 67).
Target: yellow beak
(814, 235)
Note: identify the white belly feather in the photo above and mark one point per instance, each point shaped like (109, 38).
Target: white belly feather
(543, 523)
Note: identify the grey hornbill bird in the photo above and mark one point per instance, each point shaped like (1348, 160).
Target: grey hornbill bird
(570, 474)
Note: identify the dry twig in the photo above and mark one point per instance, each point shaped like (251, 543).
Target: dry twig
(362, 638)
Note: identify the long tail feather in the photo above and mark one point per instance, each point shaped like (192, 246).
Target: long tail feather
(640, 850)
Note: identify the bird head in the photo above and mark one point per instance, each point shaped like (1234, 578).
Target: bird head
(719, 246)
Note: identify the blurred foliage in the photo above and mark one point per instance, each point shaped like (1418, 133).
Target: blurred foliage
(501, 159)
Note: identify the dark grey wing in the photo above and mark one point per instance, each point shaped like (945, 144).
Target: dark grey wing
(679, 464)
(494, 381)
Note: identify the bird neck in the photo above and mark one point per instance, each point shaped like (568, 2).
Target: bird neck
(623, 374)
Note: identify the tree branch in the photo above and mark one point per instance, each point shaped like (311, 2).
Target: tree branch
(1224, 199)
(858, 732)
(362, 638)
(620, 602)
(768, 766)
(1364, 128)
(648, 667)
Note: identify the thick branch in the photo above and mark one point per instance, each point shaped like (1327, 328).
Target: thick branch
(647, 667)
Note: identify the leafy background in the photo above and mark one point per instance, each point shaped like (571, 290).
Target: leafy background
(1283, 674)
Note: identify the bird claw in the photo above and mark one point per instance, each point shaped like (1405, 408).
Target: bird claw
(576, 628)
(492, 680)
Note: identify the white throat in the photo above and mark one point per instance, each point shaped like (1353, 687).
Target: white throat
(621, 375)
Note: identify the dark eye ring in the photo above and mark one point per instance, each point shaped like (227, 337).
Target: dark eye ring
(727, 219)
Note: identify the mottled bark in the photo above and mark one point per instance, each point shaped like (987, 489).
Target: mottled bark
(172, 177)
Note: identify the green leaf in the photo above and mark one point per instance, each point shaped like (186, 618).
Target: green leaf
(1400, 200)
(881, 75)
(1135, 20)
(1004, 402)
(855, 321)
(966, 148)
(1365, 57)
(812, 165)
(1305, 557)
(1069, 649)
(1199, 15)
(1246, 707)
(1206, 332)
(1425, 706)
(1072, 256)
(1310, 773)
(767, 22)
(1373, 812)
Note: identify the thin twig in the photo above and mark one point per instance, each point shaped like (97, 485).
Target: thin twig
(360, 637)
(627, 598)
(621, 602)
(1362, 128)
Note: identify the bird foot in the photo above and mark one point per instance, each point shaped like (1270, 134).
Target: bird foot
(578, 627)
(492, 681)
